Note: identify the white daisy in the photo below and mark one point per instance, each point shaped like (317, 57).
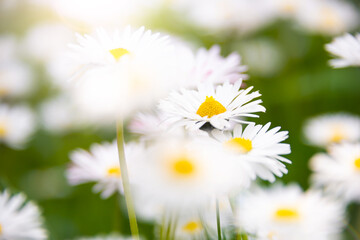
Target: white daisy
(347, 48)
(179, 171)
(286, 213)
(45, 41)
(259, 147)
(329, 17)
(216, 105)
(58, 115)
(338, 172)
(121, 72)
(16, 125)
(210, 66)
(189, 226)
(19, 219)
(100, 165)
(332, 128)
(15, 79)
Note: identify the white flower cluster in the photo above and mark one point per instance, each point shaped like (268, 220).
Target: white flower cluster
(337, 171)
(198, 151)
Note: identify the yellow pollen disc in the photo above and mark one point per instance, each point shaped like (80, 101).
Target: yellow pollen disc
(183, 166)
(114, 172)
(286, 214)
(357, 163)
(239, 145)
(118, 52)
(337, 134)
(210, 107)
(329, 18)
(3, 130)
(3, 91)
(192, 227)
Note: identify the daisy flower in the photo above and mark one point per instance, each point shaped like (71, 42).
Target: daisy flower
(16, 79)
(19, 219)
(347, 49)
(182, 172)
(330, 17)
(209, 66)
(16, 125)
(338, 172)
(287, 213)
(189, 226)
(209, 104)
(332, 128)
(259, 147)
(121, 72)
(100, 165)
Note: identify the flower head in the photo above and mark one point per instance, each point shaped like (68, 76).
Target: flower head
(347, 49)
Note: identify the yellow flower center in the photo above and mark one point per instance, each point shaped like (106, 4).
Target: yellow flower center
(357, 163)
(329, 18)
(114, 172)
(183, 166)
(0, 229)
(3, 91)
(118, 52)
(286, 214)
(337, 134)
(210, 107)
(3, 129)
(192, 226)
(239, 145)
(288, 8)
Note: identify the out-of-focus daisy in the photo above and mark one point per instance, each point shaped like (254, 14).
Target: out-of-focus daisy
(339, 171)
(216, 105)
(15, 79)
(58, 115)
(16, 125)
(189, 226)
(242, 15)
(286, 213)
(8, 48)
(45, 41)
(332, 128)
(258, 146)
(210, 66)
(100, 165)
(121, 72)
(19, 220)
(347, 48)
(179, 171)
(330, 17)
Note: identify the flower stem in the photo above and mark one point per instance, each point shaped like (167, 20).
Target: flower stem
(218, 220)
(125, 180)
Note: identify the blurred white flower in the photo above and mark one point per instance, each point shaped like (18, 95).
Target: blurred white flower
(329, 17)
(189, 226)
(89, 14)
(257, 146)
(286, 213)
(19, 219)
(121, 72)
(217, 105)
(243, 15)
(332, 128)
(182, 172)
(8, 48)
(208, 66)
(338, 172)
(100, 165)
(15, 79)
(58, 115)
(45, 41)
(16, 125)
(347, 49)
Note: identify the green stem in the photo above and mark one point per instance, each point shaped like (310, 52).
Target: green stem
(218, 220)
(125, 180)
